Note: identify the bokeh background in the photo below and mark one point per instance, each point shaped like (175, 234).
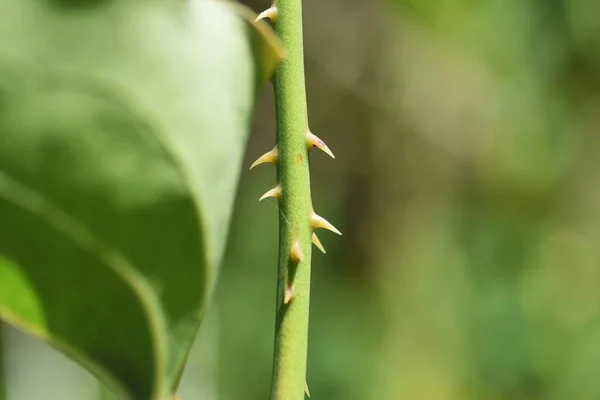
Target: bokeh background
(467, 185)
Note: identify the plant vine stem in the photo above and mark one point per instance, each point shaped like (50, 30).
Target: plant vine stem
(3, 381)
(291, 326)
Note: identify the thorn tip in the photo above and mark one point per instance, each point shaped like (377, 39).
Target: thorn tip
(306, 389)
(270, 13)
(289, 295)
(296, 254)
(268, 157)
(318, 243)
(319, 222)
(275, 192)
(313, 140)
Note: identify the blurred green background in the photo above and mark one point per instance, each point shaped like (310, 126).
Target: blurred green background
(467, 185)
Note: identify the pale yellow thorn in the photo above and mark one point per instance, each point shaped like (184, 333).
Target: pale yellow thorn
(306, 389)
(275, 192)
(314, 141)
(318, 243)
(319, 222)
(289, 295)
(296, 254)
(269, 157)
(270, 13)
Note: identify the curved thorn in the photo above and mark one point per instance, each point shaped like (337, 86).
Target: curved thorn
(306, 389)
(269, 157)
(318, 243)
(289, 295)
(296, 255)
(319, 222)
(313, 140)
(270, 13)
(275, 192)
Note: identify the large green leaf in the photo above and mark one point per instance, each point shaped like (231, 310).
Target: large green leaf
(122, 129)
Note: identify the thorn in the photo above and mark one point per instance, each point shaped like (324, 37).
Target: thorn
(270, 13)
(269, 157)
(296, 254)
(289, 295)
(313, 141)
(275, 192)
(306, 389)
(318, 243)
(319, 222)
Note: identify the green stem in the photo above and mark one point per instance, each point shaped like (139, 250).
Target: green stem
(3, 382)
(291, 328)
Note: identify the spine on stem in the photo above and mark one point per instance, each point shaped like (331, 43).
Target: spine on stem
(297, 220)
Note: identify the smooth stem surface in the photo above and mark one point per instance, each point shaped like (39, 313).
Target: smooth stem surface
(291, 329)
(3, 382)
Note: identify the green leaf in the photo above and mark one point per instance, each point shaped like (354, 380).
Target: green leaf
(122, 129)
